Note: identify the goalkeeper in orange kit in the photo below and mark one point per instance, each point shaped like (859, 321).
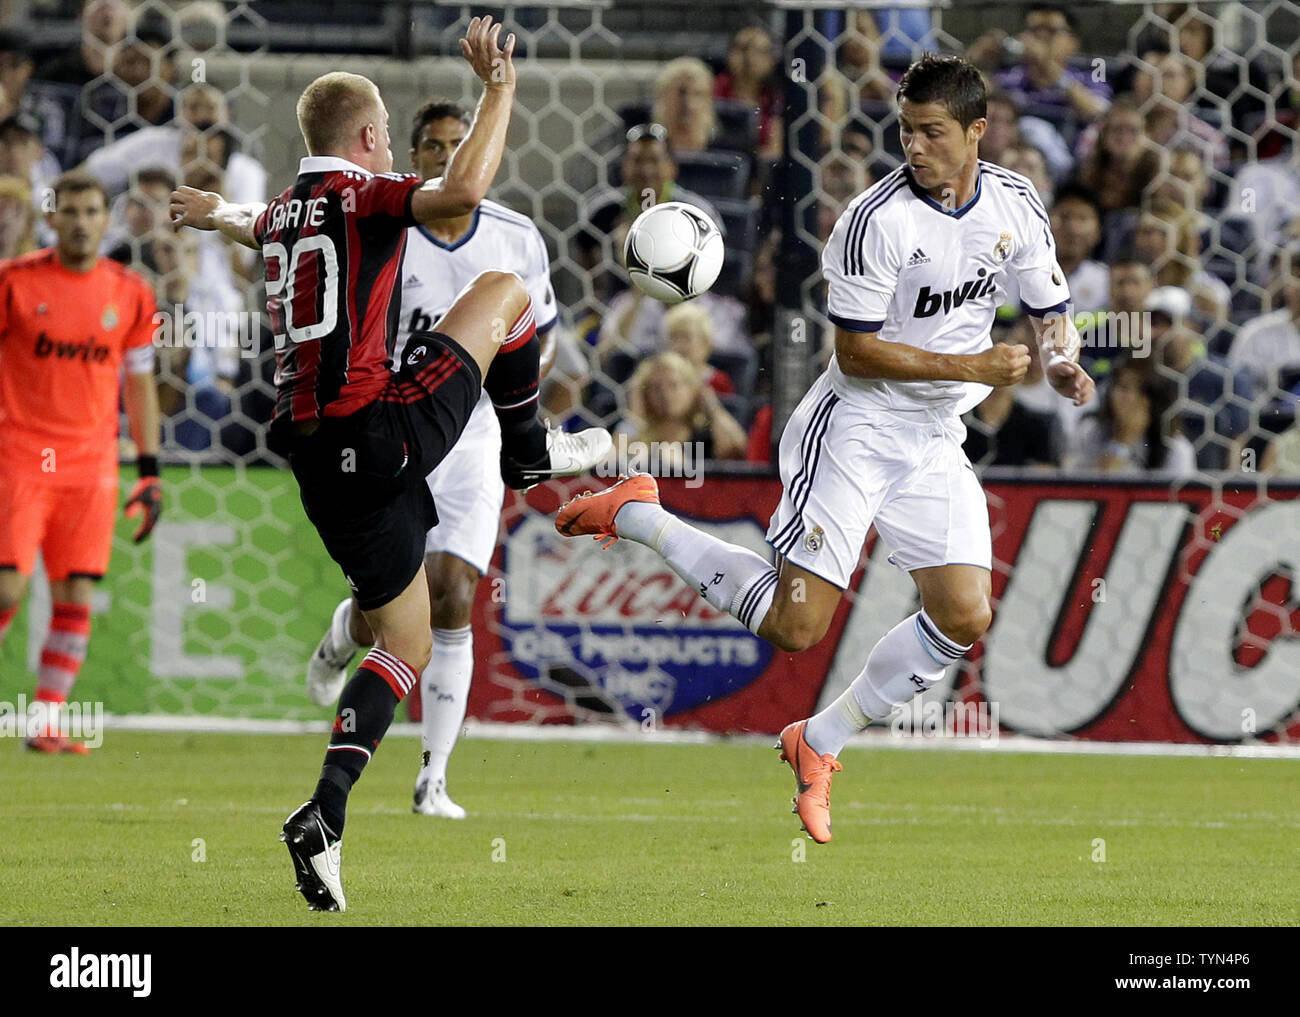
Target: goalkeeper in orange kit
(70, 323)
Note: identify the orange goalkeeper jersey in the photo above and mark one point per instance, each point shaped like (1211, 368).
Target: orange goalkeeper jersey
(64, 337)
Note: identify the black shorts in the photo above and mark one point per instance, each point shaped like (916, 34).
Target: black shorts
(362, 477)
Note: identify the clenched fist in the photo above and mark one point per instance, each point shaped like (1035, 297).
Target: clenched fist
(1005, 364)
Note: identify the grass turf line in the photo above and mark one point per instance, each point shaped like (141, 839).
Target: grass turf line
(648, 834)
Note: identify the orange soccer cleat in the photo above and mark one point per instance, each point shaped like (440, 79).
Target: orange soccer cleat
(812, 772)
(53, 743)
(594, 513)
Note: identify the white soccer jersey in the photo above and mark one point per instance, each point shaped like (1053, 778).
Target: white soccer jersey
(901, 265)
(433, 273)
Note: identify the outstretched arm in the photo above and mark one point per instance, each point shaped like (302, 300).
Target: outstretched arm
(475, 162)
(207, 210)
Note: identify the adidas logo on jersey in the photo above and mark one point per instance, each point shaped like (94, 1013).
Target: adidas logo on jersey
(918, 258)
(929, 303)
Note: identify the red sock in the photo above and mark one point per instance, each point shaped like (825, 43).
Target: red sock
(6, 618)
(64, 651)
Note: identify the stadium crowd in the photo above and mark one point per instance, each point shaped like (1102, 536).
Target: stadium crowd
(1170, 174)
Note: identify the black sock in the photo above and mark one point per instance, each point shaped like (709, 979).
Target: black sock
(365, 712)
(511, 384)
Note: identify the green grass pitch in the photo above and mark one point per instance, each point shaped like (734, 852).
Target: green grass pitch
(180, 829)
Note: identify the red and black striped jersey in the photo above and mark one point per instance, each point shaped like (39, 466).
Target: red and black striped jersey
(333, 244)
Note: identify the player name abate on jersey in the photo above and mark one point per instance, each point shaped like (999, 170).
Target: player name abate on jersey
(295, 213)
(75, 970)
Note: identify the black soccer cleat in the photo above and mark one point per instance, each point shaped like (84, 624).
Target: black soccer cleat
(567, 455)
(317, 858)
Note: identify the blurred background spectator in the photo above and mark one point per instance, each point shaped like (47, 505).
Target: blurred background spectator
(17, 218)
(1122, 162)
(750, 78)
(669, 403)
(1134, 429)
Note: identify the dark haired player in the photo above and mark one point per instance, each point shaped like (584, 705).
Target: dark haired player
(362, 439)
(913, 267)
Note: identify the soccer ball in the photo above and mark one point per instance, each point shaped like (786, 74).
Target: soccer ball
(673, 252)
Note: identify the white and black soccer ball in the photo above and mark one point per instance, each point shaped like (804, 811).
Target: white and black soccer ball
(673, 252)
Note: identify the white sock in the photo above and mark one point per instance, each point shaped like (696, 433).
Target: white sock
(444, 695)
(909, 659)
(341, 630)
(731, 578)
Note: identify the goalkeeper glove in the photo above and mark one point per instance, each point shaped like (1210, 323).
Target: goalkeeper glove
(146, 498)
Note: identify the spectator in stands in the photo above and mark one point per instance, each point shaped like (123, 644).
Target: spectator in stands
(1220, 95)
(1134, 429)
(103, 26)
(859, 61)
(1267, 193)
(56, 87)
(1007, 129)
(633, 328)
(195, 377)
(649, 177)
(749, 78)
(1163, 87)
(1076, 225)
(136, 214)
(1131, 282)
(1042, 78)
(16, 67)
(683, 103)
(22, 155)
(1028, 161)
(1005, 430)
(1167, 239)
(203, 112)
(687, 331)
(139, 91)
(842, 179)
(1269, 345)
(17, 218)
(1214, 400)
(669, 404)
(1122, 162)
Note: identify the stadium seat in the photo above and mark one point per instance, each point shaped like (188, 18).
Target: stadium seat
(715, 175)
(740, 220)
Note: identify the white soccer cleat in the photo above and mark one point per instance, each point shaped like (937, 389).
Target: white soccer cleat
(567, 455)
(327, 671)
(317, 858)
(431, 799)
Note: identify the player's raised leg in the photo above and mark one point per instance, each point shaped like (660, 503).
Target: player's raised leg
(492, 320)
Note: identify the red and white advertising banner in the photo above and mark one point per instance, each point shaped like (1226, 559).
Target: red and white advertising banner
(1123, 612)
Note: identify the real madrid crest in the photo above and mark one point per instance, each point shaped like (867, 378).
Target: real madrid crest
(1002, 249)
(812, 543)
(109, 319)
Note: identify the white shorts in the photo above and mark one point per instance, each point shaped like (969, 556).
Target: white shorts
(844, 467)
(469, 492)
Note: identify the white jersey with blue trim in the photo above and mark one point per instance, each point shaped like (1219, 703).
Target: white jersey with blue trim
(433, 272)
(901, 265)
